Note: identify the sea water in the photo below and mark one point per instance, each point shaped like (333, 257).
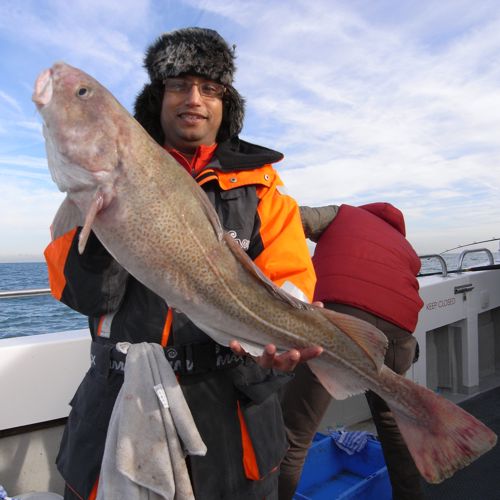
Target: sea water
(44, 314)
(32, 315)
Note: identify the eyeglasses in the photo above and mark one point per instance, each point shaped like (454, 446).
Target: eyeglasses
(206, 89)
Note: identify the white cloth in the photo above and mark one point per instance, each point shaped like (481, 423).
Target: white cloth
(150, 432)
(351, 441)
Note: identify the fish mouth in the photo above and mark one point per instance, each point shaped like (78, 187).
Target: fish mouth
(42, 93)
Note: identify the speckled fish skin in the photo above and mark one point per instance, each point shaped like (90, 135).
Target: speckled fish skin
(158, 224)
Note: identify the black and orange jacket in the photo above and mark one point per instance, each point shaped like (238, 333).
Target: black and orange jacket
(245, 434)
(247, 194)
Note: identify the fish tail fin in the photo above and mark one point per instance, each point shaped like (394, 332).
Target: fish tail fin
(441, 437)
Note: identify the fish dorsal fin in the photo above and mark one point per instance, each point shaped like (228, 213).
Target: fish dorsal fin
(249, 265)
(369, 338)
(241, 255)
(68, 216)
(209, 210)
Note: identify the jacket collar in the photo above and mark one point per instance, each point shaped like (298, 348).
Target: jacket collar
(236, 154)
(198, 161)
(230, 155)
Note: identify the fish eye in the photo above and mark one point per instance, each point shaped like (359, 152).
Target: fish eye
(83, 92)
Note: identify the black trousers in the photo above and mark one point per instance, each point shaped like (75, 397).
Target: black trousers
(216, 399)
(305, 402)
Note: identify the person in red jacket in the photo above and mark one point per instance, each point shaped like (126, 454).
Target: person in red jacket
(365, 267)
(191, 108)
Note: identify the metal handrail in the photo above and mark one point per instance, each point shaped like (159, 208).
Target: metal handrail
(10, 294)
(475, 250)
(444, 268)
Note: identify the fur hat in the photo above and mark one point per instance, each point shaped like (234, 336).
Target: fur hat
(197, 51)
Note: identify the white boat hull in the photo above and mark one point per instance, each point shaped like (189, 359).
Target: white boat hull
(458, 333)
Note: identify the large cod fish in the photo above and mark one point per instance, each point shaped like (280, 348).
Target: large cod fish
(159, 225)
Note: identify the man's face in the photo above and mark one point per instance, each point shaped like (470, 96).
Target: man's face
(189, 119)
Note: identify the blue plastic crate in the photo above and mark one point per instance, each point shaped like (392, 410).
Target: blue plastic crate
(330, 473)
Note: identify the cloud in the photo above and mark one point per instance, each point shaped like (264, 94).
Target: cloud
(10, 101)
(24, 161)
(27, 211)
(31, 126)
(369, 100)
(94, 35)
(366, 108)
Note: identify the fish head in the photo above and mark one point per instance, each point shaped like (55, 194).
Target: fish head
(82, 129)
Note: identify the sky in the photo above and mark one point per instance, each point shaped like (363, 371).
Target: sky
(393, 101)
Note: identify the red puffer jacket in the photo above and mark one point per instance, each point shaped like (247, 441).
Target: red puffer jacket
(364, 260)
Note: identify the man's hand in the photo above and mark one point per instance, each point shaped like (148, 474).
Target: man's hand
(285, 362)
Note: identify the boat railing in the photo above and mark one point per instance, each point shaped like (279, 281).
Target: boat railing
(11, 294)
(474, 250)
(439, 258)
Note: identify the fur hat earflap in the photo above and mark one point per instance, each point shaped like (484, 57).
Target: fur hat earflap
(233, 113)
(147, 110)
(198, 51)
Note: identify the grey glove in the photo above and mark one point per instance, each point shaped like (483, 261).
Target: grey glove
(316, 219)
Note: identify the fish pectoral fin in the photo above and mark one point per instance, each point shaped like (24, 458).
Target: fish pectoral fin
(250, 266)
(95, 206)
(369, 338)
(68, 216)
(335, 380)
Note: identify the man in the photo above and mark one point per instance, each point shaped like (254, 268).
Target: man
(365, 267)
(191, 108)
